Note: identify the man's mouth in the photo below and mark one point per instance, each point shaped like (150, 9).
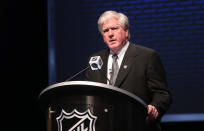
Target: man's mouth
(112, 40)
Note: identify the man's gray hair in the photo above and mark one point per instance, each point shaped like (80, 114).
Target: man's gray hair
(123, 20)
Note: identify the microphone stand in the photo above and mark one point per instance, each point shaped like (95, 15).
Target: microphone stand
(95, 66)
(78, 73)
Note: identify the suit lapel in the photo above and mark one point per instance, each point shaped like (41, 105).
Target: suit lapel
(127, 62)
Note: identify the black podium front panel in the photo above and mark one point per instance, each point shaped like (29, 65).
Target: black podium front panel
(82, 107)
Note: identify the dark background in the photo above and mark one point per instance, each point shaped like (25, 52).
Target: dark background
(24, 67)
(24, 64)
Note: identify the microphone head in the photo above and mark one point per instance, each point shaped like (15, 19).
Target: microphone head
(96, 62)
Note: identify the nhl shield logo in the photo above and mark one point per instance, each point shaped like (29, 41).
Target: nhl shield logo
(76, 121)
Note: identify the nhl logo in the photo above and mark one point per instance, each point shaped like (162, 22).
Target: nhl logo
(76, 121)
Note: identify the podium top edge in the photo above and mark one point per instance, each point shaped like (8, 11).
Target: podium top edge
(96, 84)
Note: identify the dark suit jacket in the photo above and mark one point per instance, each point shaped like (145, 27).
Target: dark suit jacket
(141, 73)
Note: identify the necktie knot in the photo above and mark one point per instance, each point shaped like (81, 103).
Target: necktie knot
(115, 56)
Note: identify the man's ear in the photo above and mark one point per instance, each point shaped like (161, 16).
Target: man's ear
(126, 32)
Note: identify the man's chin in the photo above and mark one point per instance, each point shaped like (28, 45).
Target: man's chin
(113, 45)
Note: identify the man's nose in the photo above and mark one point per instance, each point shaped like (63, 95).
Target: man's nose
(110, 33)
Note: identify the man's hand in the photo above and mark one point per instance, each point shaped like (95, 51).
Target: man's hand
(152, 113)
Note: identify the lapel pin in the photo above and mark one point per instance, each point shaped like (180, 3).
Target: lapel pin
(125, 66)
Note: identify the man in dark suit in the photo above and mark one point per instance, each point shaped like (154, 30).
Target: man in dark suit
(140, 70)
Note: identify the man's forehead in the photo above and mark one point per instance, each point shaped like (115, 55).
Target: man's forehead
(110, 23)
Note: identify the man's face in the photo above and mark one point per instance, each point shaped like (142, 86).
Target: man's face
(114, 35)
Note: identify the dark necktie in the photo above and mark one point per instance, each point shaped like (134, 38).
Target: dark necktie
(115, 69)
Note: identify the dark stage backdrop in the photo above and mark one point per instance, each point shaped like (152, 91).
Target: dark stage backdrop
(175, 29)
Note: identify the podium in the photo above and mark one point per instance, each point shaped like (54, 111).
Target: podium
(91, 106)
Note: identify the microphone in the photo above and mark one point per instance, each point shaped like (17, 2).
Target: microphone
(95, 63)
